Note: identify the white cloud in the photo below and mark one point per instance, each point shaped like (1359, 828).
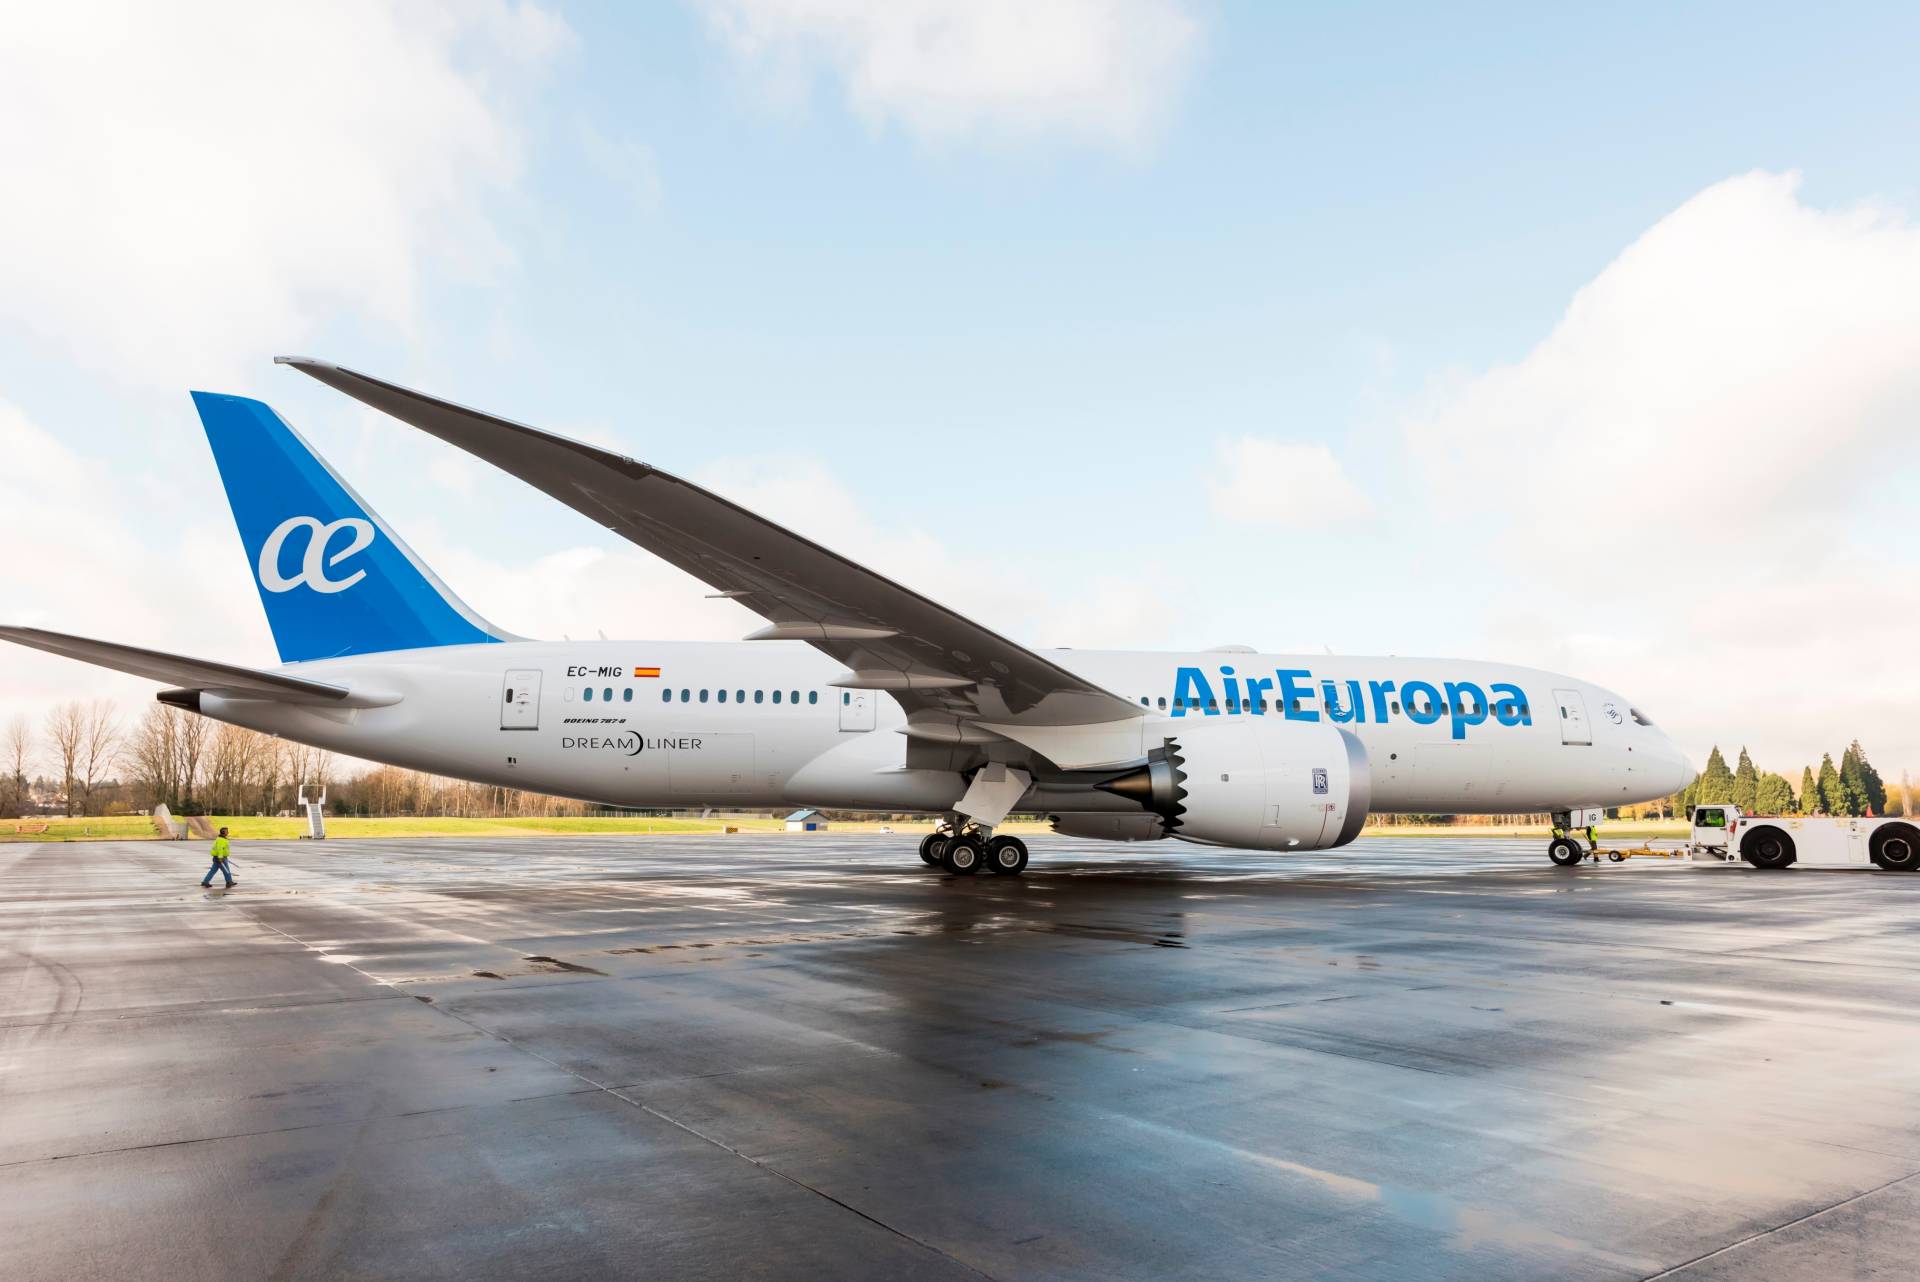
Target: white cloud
(1672, 479)
(1292, 484)
(73, 564)
(1102, 71)
(191, 186)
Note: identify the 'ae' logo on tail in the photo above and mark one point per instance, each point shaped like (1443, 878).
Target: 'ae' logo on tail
(315, 563)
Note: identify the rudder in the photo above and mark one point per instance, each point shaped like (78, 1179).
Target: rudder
(333, 578)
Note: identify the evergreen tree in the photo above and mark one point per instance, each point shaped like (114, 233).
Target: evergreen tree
(1831, 795)
(1715, 785)
(1853, 782)
(1872, 788)
(1809, 794)
(1773, 795)
(1746, 780)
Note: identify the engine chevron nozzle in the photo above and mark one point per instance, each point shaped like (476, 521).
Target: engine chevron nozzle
(1155, 786)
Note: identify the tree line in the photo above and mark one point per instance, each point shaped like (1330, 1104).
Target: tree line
(1853, 787)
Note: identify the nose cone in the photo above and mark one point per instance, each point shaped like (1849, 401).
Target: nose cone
(1673, 771)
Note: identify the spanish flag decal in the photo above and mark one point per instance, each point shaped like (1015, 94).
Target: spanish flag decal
(646, 672)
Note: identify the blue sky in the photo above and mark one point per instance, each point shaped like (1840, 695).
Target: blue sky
(1143, 322)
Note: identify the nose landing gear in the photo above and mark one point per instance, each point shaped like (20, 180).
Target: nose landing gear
(1569, 826)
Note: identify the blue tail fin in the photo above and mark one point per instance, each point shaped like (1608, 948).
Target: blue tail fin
(333, 578)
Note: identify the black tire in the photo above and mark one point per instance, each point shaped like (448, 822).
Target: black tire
(1767, 847)
(1565, 851)
(1007, 856)
(1617, 857)
(961, 857)
(1895, 847)
(932, 846)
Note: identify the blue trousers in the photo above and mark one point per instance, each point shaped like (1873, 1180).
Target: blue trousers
(222, 867)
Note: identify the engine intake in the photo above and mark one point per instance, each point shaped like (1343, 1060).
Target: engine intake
(1254, 782)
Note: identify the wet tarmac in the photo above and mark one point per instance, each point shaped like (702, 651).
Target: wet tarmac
(811, 1057)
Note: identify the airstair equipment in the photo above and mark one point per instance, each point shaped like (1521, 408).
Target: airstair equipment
(312, 798)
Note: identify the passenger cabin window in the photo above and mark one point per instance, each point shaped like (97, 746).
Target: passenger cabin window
(776, 696)
(813, 696)
(739, 696)
(626, 695)
(1163, 700)
(723, 696)
(607, 694)
(793, 696)
(685, 694)
(759, 695)
(587, 694)
(703, 696)
(666, 695)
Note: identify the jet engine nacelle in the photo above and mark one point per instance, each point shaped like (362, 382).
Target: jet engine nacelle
(1255, 782)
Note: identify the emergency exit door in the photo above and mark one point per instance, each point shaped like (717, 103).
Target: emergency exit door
(520, 700)
(856, 710)
(1573, 717)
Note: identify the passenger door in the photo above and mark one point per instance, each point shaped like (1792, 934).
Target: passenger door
(520, 699)
(856, 710)
(1573, 717)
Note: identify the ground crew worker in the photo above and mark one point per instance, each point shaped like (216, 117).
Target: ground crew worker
(221, 862)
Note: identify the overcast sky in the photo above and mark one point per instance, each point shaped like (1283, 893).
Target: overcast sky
(1588, 340)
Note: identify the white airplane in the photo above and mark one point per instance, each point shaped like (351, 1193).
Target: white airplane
(859, 694)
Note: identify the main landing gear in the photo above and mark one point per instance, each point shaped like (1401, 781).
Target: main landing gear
(964, 852)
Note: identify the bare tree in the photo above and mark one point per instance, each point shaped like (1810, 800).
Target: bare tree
(243, 770)
(99, 748)
(67, 731)
(189, 743)
(16, 755)
(155, 755)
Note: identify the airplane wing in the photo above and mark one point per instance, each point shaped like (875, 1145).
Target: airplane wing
(193, 674)
(945, 669)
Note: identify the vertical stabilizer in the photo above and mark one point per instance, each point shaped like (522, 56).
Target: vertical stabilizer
(334, 579)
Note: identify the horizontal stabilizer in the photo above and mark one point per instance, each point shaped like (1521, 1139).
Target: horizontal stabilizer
(204, 675)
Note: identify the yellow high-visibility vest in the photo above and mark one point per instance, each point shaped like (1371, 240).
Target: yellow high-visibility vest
(219, 847)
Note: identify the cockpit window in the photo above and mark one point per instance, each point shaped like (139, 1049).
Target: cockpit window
(1639, 718)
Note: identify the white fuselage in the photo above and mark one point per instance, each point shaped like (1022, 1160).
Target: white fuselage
(756, 724)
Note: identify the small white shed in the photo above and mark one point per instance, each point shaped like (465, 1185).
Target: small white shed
(806, 821)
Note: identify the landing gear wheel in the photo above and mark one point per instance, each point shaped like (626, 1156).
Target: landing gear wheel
(1767, 848)
(932, 846)
(1007, 856)
(1565, 851)
(1895, 847)
(961, 856)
